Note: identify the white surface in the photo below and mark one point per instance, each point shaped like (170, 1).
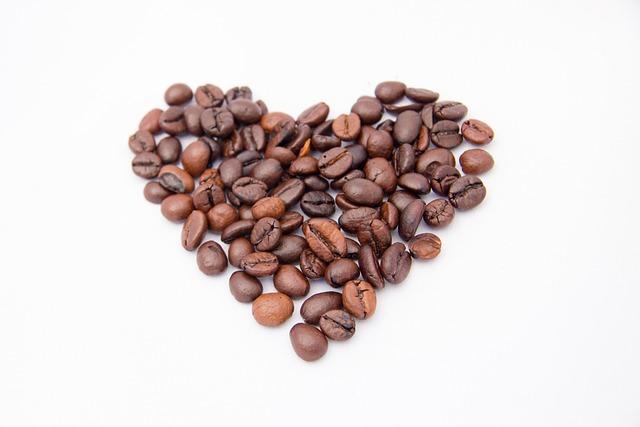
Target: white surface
(530, 316)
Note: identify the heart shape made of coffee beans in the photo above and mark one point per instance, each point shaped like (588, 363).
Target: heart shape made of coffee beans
(250, 172)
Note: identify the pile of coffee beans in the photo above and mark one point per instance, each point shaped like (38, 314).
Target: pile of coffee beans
(219, 162)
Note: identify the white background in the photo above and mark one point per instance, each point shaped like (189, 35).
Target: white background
(529, 317)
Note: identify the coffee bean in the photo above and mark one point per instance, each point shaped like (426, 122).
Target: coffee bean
(426, 114)
(425, 246)
(232, 144)
(244, 212)
(259, 264)
(308, 342)
(395, 263)
(289, 249)
(338, 325)
(155, 193)
(414, 182)
(376, 234)
(316, 183)
(266, 234)
(193, 230)
(268, 207)
(314, 115)
(245, 111)
(440, 155)
(467, 192)
(311, 265)
(240, 228)
(386, 125)
(439, 213)
(322, 137)
(404, 159)
(142, 141)
(390, 214)
(209, 96)
(238, 92)
(146, 165)
(423, 96)
(272, 309)
(176, 179)
(358, 154)
(335, 162)
(476, 161)
(230, 171)
(172, 121)
(195, 158)
(359, 299)
(211, 258)
(273, 121)
(407, 127)
(268, 171)
(446, 134)
(477, 132)
(192, 115)
(317, 204)
(340, 271)
(379, 144)
(325, 239)
(368, 108)
(401, 108)
(151, 121)
(244, 287)
(206, 196)
(177, 94)
(401, 199)
(363, 192)
(211, 176)
(369, 267)
(249, 190)
(221, 216)
(390, 91)
(304, 166)
(345, 204)
(317, 305)
(337, 184)
(449, 110)
(353, 249)
(290, 281)
(421, 144)
(352, 219)
(290, 221)
(169, 149)
(253, 138)
(238, 249)
(442, 178)
(346, 126)
(410, 219)
(381, 172)
(289, 191)
(217, 122)
(177, 207)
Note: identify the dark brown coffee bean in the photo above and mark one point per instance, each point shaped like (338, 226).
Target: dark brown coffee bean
(353, 174)
(176, 179)
(314, 115)
(232, 144)
(142, 141)
(315, 183)
(353, 249)
(424, 96)
(206, 196)
(407, 127)
(169, 149)
(381, 172)
(414, 182)
(217, 122)
(192, 115)
(442, 178)
(317, 204)
(379, 144)
(386, 125)
(238, 249)
(260, 264)
(244, 287)
(369, 267)
(290, 221)
(368, 108)
(363, 192)
(272, 309)
(177, 207)
(317, 305)
(477, 132)
(449, 110)
(346, 126)
(240, 228)
(245, 111)
(390, 91)
(424, 139)
(390, 214)
(249, 160)
(401, 199)
(230, 171)
(404, 159)
(476, 161)
(195, 158)
(467, 192)
(340, 271)
(233, 199)
(238, 92)
(322, 137)
(290, 191)
(220, 216)
(352, 220)
(209, 96)
(155, 193)
(311, 265)
(146, 165)
(151, 121)
(358, 154)
(289, 249)
(426, 114)
(290, 281)
(425, 246)
(446, 134)
(359, 299)
(376, 234)
(193, 230)
(211, 258)
(439, 213)
(338, 325)
(440, 155)
(410, 219)
(304, 166)
(172, 121)
(308, 342)
(253, 138)
(401, 108)
(325, 239)
(335, 162)
(268, 171)
(249, 190)
(266, 234)
(177, 94)
(395, 263)
(345, 204)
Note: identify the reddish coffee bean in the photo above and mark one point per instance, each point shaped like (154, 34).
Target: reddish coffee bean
(211, 258)
(177, 207)
(290, 281)
(272, 309)
(477, 132)
(476, 161)
(193, 230)
(238, 249)
(425, 246)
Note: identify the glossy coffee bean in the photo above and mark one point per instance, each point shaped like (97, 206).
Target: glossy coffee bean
(407, 127)
(207, 195)
(410, 219)
(449, 110)
(265, 234)
(268, 207)
(476, 161)
(275, 120)
(358, 154)
(395, 263)
(379, 143)
(401, 199)
(172, 121)
(217, 122)
(249, 190)
(192, 115)
(146, 165)
(211, 258)
(209, 96)
(315, 183)
(244, 287)
(314, 115)
(414, 182)
(340, 271)
(334, 162)
(353, 249)
(142, 141)
(272, 309)
(193, 230)
(442, 178)
(220, 216)
(376, 234)
(311, 265)
(369, 267)
(151, 121)
(317, 305)
(169, 149)
(269, 171)
(390, 214)
(253, 138)
(195, 158)
(401, 108)
(238, 249)
(260, 264)
(155, 193)
(290, 221)
(425, 246)
(289, 249)
(177, 207)
(325, 239)
(439, 155)
(338, 325)
(176, 179)
(289, 191)
(211, 175)
(363, 192)
(359, 299)
(240, 228)
(304, 166)
(337, 184)
(368, 108)
(290, 281)
(404, 159)
(439, 213)
(230, 171)
(380, 171)
(446, 134)
(317, 204)
(423, 96)
(467, 192)
(308, 342)
(177, 94)
(346, 126)
(245, 111)
(353, 219)
(477, 132)
(390, 91)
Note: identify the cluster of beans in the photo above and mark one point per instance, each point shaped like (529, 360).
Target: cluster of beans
(246, 174)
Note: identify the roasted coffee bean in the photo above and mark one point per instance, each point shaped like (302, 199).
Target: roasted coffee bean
(401, 108)
(290, 281)
(209, 96)
(303, 166)
(316, 183)
(220, 216)
(172, 121)
(238, 92)
(268, 171)
(290, 221)
(477, 132)
(395, 263)
(249, 190)
(425, 246)
(177, 207)
(244, 287)
(230, 171)
(195, 158)
(253, 138)
(404, 159)
(266, 234)
(244, 212)
(407, 127)
(233, 199)
(351, 220)
(410, 219)
(353, 174)
(440, 155)
(446, 134)
(314, 115)
(311, 265)
(317, 305)
(358, 154)
(345, 204)
(273, 121)
(217, 122)
(449, 110)
(155, 193)
(268, 207)
(423, 96)
(193, 230)
(401, 199)
(308, 342)
(376, 233)
(317, 204)
(177, 94)
(325, 239)
(369, 267)
(176, 179)
(359, 299)
(338, 325)
(442, 178)
(334, 162)
(363, 192)
(211, 258)
(340, 271)
(414, 182)
(381, 172)
(245, 111)
(289, 249)
(142, 141)
(368, 108)
(249, 160)
(439, 213)
(346, 126)
(232, 144)
(421, 144)
(353, 248)
(390, 214)
(379, 144)
(476, 161)
(240, 228)
(238, 249)
(151, 121)
(146, 165)
(192, 115)
(272, 309)
(214, 145)
(390, 91)
(324, 142)
(290, 191)
(386, 125)
(260, 264)
(169, 149)
(467, 192)
(426, 114)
